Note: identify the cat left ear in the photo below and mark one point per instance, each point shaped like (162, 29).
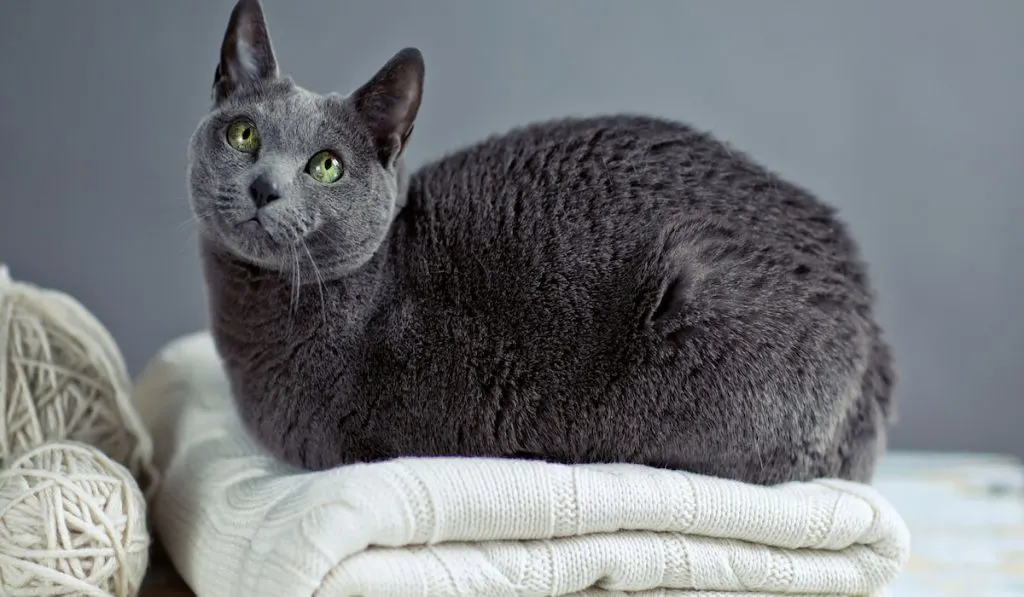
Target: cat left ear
(246, 56)
(390, 101)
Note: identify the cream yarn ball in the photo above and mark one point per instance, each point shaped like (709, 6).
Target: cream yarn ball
(72, 522)
(63, 377)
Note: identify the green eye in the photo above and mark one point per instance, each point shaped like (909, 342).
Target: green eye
(244, 137)
(325, 167)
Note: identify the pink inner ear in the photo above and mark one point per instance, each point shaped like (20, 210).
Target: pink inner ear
(245, 59)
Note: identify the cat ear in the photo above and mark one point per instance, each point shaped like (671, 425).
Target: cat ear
(246, 56)
(389, 102)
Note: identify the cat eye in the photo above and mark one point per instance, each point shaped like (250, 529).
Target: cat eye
(324, 167)
(244, 137)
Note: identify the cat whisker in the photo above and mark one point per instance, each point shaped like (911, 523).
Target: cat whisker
(319, 281)
(293, 307)
(190, 222)
(190, 225)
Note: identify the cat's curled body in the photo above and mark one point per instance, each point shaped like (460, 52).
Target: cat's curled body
(608, 289)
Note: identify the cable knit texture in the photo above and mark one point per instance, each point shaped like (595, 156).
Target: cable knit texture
(237, 522)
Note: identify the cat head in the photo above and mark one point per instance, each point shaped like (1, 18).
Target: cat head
(278, 173)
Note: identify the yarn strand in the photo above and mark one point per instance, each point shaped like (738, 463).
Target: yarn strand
(71, 519)
(63, 377)
(74, 454)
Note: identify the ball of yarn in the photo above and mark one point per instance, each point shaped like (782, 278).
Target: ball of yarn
(72, 522)
(63, 377)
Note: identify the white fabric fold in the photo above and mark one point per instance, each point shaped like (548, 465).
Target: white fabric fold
(236, 522)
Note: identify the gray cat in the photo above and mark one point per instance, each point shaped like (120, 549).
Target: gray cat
(608, 289)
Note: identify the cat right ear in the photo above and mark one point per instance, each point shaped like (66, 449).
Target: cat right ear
(246, 55)
(389, 102)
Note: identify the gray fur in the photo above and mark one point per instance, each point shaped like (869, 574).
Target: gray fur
(617, 288)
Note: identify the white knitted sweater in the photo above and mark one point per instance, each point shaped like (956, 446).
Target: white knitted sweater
(238, 523)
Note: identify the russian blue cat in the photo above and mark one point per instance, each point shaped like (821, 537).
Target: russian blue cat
(604, 289)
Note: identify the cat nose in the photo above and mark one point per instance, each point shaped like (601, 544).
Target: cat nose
(264, 191)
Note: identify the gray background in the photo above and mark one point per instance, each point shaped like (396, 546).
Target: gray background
(905, 114)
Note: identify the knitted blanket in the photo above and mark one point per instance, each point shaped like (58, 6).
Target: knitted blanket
(236, 522)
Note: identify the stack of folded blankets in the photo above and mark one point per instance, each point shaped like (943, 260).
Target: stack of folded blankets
(235, 521)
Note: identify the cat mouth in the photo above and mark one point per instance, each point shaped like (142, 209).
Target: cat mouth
(253, 227)
(253, 234)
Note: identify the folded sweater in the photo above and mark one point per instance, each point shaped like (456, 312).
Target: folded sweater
(237, 522)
